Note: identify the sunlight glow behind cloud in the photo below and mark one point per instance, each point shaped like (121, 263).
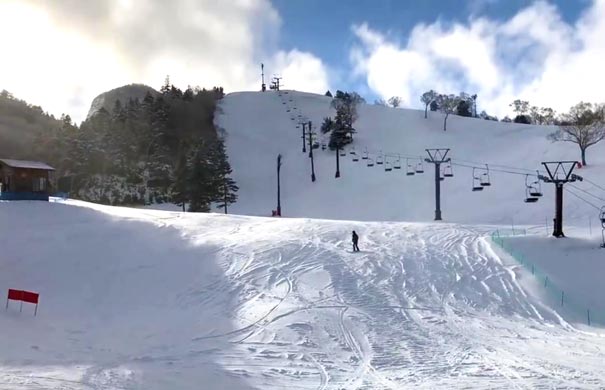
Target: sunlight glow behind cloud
(61, 54)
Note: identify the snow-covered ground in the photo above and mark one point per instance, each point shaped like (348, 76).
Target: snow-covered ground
(158, 299)
(258, 128)
(145, 299)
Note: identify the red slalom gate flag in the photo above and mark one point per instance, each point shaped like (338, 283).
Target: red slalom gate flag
(23, 296)
(30, 297)
(15, 295)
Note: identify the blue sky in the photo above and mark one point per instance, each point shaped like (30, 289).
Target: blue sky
(324, 27)
(549, 52)
(517, 46)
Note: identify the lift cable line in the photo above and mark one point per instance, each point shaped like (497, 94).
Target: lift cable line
(492, 169)
(583, 199)
(595, 184)
(587, 193)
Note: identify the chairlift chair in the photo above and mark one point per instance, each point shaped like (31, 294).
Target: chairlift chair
(420, 167)
(529, 190)
(476, 181)
(370, 162)
(410, 170)
(536, 188)
(379, 160)
(485, 181)
(355, 158)
(365, 155)
(387, 166)
(343, 153)
(528, 197)
(323, 146)
(448, 171)
(397, 163)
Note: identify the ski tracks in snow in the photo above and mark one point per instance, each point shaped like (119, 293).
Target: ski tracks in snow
(421, 305)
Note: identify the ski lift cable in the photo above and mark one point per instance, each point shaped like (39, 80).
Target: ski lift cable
(579, 197)
(493, 169)
(394, 154)
(586, 192)
(480, 164)
(595, 184)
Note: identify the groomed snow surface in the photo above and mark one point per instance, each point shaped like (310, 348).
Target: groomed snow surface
(150, 299)
(142, 299)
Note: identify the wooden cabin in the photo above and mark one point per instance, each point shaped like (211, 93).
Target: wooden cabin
(25, 180)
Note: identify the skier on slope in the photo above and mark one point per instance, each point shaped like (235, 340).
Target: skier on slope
(355, 239)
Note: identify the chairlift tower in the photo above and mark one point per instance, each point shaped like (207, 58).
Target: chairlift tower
(262, 74)
(275, 83)
(337, 174)
(279, 163)
(437, 157)
(311, 152)
(559, 173)
(304, 135)
(602, 219)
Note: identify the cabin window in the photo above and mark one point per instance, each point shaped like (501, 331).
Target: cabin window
(39, 184)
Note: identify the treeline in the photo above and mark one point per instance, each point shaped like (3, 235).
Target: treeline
(24, 129)
(163, 148)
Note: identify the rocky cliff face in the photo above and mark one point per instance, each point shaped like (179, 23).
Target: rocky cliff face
(107, 99)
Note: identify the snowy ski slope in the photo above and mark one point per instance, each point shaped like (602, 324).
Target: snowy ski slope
(142, 299)
(258, 127)
(147, 299)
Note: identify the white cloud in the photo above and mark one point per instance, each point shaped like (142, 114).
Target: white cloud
(61, 54)
(301, 71)
(534, 56)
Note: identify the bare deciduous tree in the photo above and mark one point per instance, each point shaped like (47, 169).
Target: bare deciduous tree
(427, 98)
(395, 101)
(584, 125)
(448, 104)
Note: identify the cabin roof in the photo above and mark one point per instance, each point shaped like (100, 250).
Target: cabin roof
(26, 164)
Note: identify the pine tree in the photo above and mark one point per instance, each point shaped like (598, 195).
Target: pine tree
(200, 183)
(327, 125)
(180, 187)
(224, 186)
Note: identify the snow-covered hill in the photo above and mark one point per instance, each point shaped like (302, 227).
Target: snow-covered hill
(148, 299)
(258, 127)
(142, 299)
